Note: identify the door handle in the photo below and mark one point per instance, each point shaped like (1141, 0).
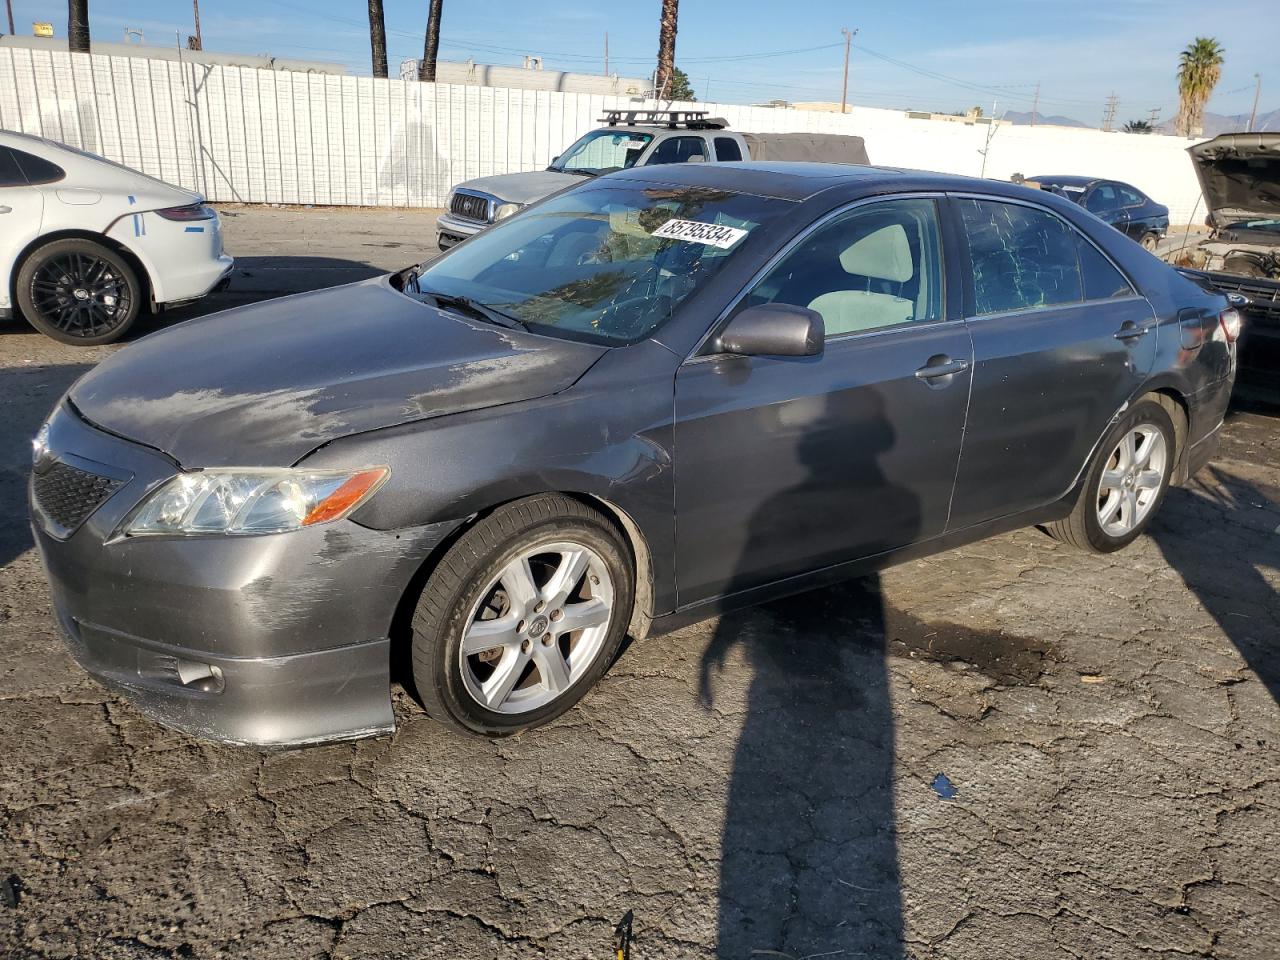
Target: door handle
(4, 209)
(1131, 331)
(941, 366)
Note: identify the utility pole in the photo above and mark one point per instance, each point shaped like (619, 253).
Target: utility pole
(1109, 115)
(844, 90)
(1153, 119)
(9, 5)
(195, 6)
(1035, 105)
(1257, 92)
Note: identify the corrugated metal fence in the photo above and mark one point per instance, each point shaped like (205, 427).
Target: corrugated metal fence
(261, 136)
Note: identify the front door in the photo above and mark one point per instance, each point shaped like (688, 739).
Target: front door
(1061, 341)
(787, 465)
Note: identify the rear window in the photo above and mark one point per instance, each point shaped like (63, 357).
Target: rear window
(37, 169)
(10, 175)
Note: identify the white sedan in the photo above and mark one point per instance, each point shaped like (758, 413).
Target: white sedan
(86, 244)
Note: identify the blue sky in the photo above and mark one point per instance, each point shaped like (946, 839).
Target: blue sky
(949, 55)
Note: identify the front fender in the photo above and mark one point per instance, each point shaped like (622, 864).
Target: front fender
(608, 437)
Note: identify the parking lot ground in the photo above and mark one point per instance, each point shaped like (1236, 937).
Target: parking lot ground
(1012, 750)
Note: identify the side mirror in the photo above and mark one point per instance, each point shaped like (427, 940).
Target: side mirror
(775, 330)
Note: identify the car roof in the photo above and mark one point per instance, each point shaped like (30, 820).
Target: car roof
(1067, 180)
(799, 181)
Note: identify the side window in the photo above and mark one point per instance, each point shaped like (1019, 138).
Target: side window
(1102, 199)
(1022, 258)
(678, 150)
(727, 149)
(10, 175)
(1102, 281)
(877, 266)
(1129, 196)
(38, 169)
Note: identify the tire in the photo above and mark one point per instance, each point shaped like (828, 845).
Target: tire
(79, 292)
(503, 572)
(1149, 242)
(1115, 504)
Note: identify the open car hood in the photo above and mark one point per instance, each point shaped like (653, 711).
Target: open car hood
(1240, 173)
(264, 385)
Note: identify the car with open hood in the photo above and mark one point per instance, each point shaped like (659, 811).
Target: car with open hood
(1240, 178)
(660, 395)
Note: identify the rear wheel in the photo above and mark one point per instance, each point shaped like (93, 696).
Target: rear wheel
(1149, 241)
(79, 292)
(1126, 482)
(522, 616)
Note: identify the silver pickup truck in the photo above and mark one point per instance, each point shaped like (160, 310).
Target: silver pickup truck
(631, 138)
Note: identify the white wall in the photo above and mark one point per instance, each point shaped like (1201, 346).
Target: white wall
(241, 134)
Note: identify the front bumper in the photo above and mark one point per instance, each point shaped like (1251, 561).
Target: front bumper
(451, 230)
(274, 640)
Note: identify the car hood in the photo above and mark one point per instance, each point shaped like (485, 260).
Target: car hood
(1240, 173)
(524, 187)
(266, 384)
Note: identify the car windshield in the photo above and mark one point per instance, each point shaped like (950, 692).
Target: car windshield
(1268, 224)
(606, 264)
(603, 151)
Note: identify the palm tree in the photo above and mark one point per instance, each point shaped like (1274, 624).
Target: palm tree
(78, 26)
(662, 80)
(1199, 69)
(378, 38)
(1138, 126)
(427, 73)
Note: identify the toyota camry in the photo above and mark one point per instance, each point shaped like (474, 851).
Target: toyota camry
(656, 396)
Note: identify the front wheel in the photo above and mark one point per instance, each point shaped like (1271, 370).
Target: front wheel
(78, 292)
(1125, 484)
(522, 616)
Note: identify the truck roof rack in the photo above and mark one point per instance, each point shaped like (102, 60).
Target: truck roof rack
(690, 119)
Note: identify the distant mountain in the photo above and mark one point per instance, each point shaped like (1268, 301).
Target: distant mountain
(1018, 118)
(1216, 123)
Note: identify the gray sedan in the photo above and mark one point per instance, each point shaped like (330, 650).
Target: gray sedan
(659, 395)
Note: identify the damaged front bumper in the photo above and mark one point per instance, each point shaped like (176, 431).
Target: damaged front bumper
(276, 640)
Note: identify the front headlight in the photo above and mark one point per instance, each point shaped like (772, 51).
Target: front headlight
(244, 501)
(504, 210)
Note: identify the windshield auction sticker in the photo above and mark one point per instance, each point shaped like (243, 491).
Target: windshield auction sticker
(711, 234)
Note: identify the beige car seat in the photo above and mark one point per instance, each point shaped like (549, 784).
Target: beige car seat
(884, 254)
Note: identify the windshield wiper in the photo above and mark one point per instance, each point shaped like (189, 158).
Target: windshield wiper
(476, 308)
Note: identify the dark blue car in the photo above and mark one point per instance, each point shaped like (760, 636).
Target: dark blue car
(1125, 207)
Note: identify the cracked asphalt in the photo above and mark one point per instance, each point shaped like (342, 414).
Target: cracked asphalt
(764, 785)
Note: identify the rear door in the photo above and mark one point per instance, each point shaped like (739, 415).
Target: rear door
(1061, 341)
(21, 214)
(788, 464)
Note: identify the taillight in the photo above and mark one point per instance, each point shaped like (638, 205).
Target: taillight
(196, 211)
(1231, 323)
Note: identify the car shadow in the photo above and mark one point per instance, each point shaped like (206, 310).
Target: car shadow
(29, 394)
(809, 863)
(1219, 535)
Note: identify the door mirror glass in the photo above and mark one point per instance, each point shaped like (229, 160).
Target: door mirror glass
(774, 330)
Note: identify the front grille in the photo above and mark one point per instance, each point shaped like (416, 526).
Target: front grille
(66, 495)
(1264, 298)
(470, 207)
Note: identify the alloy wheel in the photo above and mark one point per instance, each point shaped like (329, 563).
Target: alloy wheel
(537, 628)
(80, 294)
(1131, 481)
